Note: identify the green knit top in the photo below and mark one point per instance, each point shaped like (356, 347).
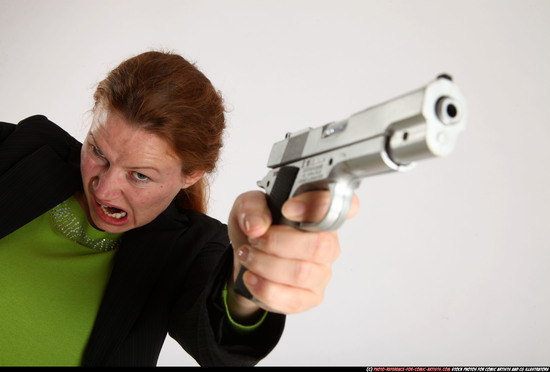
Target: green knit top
(53, 272)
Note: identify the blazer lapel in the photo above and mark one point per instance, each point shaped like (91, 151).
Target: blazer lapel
(138, 263)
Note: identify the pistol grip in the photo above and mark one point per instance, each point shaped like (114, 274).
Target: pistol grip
(240, 287)
(275, 200)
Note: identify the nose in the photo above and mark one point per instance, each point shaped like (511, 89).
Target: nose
(107, 186)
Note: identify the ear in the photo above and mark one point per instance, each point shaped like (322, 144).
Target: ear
(191, 179)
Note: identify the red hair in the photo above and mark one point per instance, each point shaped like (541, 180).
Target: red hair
(166, 95)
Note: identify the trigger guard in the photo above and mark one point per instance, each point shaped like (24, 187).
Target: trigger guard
(341, 196)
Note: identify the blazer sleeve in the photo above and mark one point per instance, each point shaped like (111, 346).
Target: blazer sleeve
(201, 326)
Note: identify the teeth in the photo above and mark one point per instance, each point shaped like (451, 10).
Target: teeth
(118, 215)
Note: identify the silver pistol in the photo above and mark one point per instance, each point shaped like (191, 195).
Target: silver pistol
(392, 136)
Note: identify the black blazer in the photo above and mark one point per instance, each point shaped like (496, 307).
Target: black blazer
(167, 275)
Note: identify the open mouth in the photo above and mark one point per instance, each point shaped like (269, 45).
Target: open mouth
(111, 214)
(112, 211)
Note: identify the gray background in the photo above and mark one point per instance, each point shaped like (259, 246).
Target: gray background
(446, 264)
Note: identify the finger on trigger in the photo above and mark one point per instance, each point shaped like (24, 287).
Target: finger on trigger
(307, 207)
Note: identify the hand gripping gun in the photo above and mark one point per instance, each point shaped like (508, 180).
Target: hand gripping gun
(388, 137)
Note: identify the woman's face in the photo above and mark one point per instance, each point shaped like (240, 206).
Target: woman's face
(129, 175)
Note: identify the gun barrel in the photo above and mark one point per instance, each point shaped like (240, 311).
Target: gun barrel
(420, 124)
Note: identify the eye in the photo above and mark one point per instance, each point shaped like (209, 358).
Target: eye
(97, 152)
(139, 177)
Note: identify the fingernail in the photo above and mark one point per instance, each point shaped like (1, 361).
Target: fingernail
(251, 279)
(294, 209)
(251, 221)
(243, 253)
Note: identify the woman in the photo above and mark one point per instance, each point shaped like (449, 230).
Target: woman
(105, 247)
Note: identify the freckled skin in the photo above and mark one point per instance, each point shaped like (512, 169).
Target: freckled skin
(129, 169)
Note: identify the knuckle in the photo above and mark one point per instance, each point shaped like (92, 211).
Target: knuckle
(324, 248)
(266, 294)
(296, 305)
(271, 240)
(302, 273)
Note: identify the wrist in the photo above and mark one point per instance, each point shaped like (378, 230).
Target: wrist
(241, 310)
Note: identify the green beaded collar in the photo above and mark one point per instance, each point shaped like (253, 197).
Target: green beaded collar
(70, 220)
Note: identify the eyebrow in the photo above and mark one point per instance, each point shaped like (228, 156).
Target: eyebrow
(131, 167)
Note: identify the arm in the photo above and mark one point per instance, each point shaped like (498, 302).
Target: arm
(199, 320)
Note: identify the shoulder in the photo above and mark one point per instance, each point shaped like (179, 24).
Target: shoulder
(41, 125)
(35, 132)
(5, 130)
